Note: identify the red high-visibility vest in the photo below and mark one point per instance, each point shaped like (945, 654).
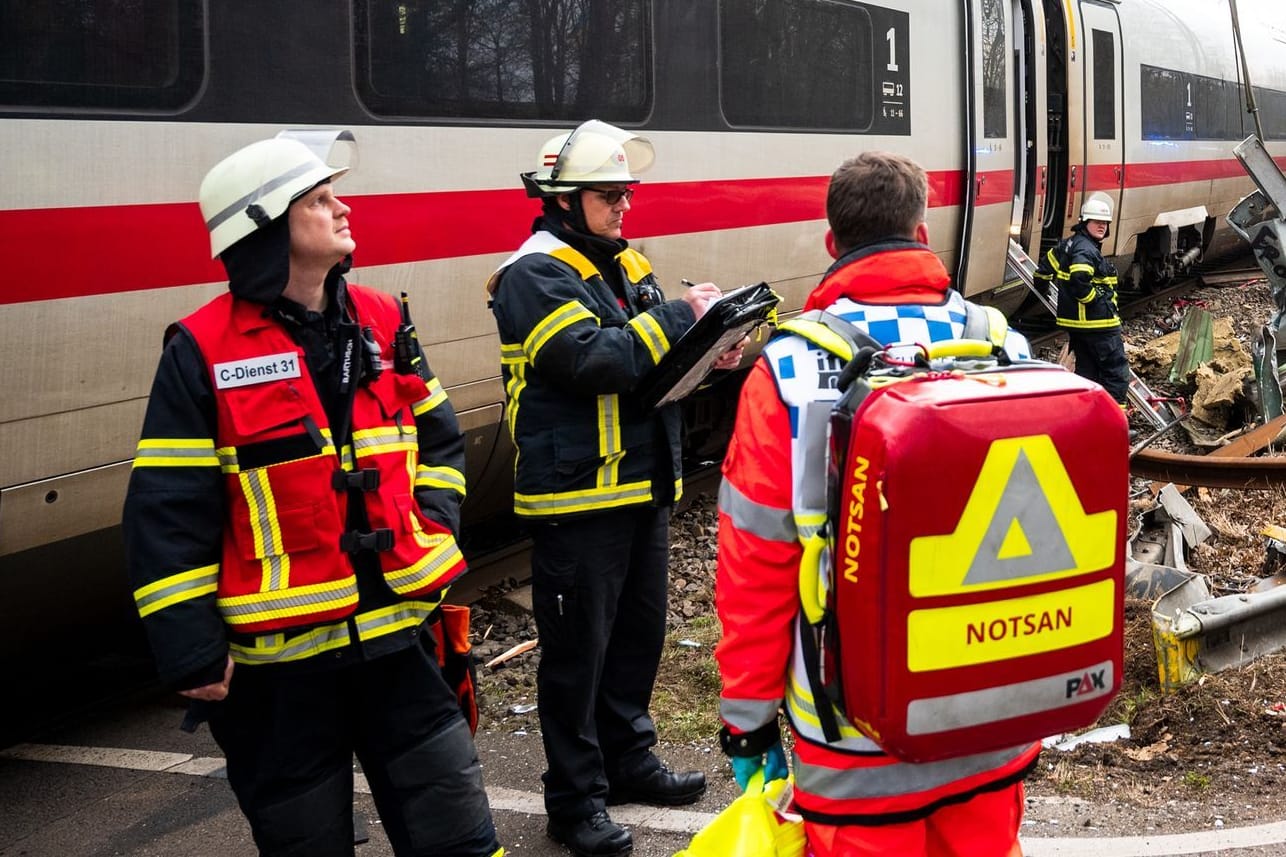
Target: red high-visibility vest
(283, 565)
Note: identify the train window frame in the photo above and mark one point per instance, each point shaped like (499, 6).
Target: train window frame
(1103, 64)
(865, 116)
(1167, 115)
(994, 82)
(171, 90)
(409, 105)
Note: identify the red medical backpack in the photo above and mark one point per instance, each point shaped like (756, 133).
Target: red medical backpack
(978, 527)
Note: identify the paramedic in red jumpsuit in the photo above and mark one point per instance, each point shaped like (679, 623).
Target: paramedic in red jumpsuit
(290, 526)
(855, 799)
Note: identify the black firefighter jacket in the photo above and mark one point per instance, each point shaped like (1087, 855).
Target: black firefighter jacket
(571, 355)
(1086, 283)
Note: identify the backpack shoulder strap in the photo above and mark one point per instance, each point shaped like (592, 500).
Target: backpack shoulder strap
(985, 323)
(830, 333)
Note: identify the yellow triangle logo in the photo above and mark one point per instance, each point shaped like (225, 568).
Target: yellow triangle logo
(1023, 523)
(1015, 543)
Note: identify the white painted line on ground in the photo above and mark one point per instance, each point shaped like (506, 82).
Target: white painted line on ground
(1170, 845)
(671, 820)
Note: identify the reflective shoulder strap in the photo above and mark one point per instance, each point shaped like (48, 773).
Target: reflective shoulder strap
(985, 323)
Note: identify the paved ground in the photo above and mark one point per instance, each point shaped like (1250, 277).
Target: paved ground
(130, 783)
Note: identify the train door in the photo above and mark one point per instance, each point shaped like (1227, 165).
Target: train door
(990, 194)
(1029, 115)
(1061, 170)
(1104, 165)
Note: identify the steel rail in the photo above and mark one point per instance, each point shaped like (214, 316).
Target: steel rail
(1209, 471)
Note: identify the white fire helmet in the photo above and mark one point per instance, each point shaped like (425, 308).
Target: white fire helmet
(255, 185)
(593, 154)
(1097, 206)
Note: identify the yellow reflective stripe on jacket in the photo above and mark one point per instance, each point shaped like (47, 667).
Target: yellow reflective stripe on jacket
(1058, 273)
(176, 589)
(280, 647)
(429, 568)
(386, 439)
(440, 477)
(609, 440)
(653, 336)
(297, 601)
(565, 316)
(436, 396)
(587, 500)
(265, 529)
(175, 452)
(395, 617)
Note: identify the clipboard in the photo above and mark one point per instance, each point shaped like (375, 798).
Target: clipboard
(687, 363)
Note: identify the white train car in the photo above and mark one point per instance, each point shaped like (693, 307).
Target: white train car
(111, 111)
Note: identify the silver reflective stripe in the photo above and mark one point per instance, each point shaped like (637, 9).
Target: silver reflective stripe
(960, 710)
(288, 603)
(254, 196)
(176, 588)
(274, 648)
(766, 522)
(815, 448)
(378, 623)
(424, 571)
(748, 714)
(375, 438)
(571, 501)
(897, 778)
(256, 484)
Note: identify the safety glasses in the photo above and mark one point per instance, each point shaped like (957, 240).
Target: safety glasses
(612, 197)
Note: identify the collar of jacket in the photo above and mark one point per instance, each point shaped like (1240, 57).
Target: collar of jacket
(285, 311)
(600, 251)
(886, 272)
(1082, 230)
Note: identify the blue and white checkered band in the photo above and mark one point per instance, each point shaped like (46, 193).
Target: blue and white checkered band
(906, 322)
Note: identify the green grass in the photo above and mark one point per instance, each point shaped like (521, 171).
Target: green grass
(685, 700)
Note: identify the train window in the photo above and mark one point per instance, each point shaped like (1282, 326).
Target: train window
(1104, 85)
(1272, 112)
(993, 69)
(804, 64)
(505, 59)
(116, 54)
(1165, 104)
(1210, 97)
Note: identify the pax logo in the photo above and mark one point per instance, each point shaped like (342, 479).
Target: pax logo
(1094, 681)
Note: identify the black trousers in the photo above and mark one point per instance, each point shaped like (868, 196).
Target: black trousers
(289, 740)
(1100, 357)
(599, 589)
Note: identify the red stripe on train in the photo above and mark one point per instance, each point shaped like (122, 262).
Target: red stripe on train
(94, 250)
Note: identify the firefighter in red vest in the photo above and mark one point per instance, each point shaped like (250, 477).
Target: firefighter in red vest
(855, 799)
(290, 526)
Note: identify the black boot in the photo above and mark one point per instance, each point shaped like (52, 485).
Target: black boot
(659, 787)
(596, 836)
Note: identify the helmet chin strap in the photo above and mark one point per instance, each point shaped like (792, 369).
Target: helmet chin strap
(577, 218)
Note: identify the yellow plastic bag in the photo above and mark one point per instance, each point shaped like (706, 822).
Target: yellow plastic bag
(754, 825)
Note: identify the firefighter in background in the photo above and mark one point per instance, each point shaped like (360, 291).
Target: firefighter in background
(290, 525)
(581, 321)
(855, 799)
(1087, 310)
